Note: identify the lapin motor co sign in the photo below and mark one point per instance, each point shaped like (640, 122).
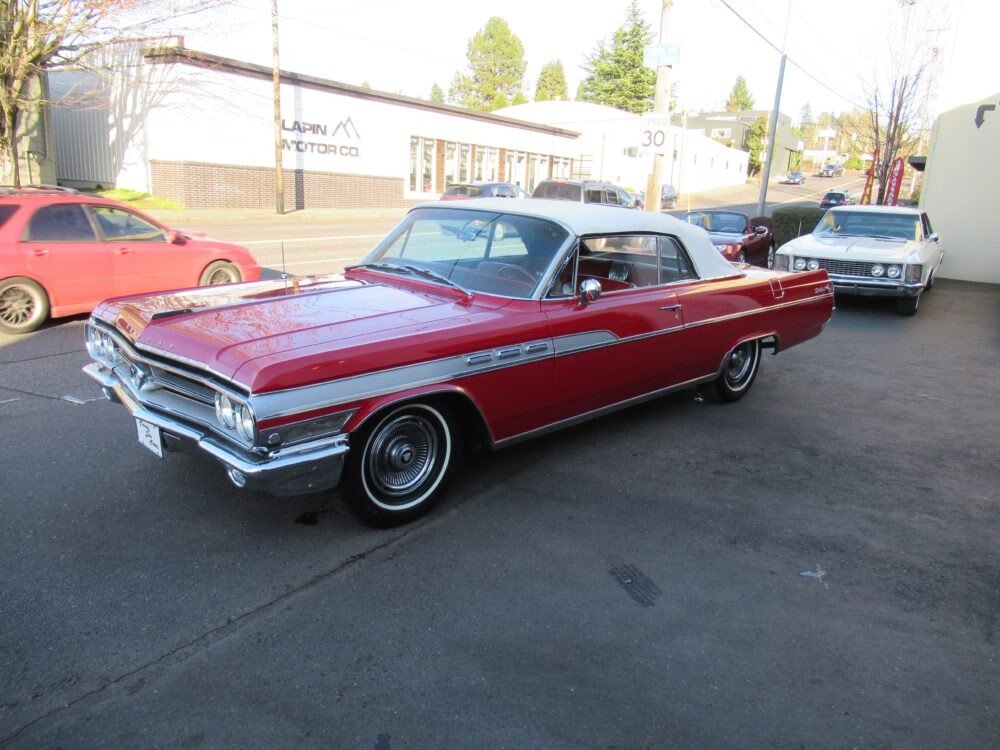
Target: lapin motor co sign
(302, 129)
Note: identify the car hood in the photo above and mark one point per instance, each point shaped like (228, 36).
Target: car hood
(269, 335)
(852, 248)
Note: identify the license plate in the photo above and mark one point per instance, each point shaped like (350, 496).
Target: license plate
(149, 436)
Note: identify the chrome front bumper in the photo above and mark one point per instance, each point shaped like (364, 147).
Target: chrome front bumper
(872, 287)
(297, 470)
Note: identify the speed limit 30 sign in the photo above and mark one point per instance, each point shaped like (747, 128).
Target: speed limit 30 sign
(653, 130)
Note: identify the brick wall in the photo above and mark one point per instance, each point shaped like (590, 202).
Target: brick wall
(200, 185)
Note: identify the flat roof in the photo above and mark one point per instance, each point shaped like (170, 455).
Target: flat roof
(181, 55)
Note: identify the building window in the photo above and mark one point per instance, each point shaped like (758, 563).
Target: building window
(450, 149)
(464, 166)
(422, 167)
(722, 132)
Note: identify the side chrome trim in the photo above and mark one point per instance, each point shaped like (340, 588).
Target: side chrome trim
(569, 422)
(370, 385)
(576, 342)
(758, 311)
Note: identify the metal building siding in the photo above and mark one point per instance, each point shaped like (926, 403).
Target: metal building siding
(82, 134)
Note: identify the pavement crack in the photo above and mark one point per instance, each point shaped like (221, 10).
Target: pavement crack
(216, 634)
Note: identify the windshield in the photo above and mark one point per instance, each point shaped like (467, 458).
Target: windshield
(476, 251)
(863, 224)
(723, 222)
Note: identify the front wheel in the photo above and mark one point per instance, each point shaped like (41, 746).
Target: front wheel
(907, 305)
(220, 272)
(738, 373)
(396, 471)
(24, 306)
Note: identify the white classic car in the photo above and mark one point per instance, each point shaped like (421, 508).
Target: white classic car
(884, 251)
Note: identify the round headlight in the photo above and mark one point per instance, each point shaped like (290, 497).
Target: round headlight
(878, 269)
(111, 350)
(893, 272)
(813, 264)
(245, 424)
(93, 340)
(800, 264)
(225, 412)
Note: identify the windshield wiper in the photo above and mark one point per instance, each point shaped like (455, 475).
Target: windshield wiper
(427, 273)
(391, 267)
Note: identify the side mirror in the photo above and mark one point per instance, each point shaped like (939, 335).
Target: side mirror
(934, 237)
(590, 291)
(175, 238)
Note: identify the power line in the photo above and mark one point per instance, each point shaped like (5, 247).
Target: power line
(777, 49)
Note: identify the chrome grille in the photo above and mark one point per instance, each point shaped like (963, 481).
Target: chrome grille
(846, 267)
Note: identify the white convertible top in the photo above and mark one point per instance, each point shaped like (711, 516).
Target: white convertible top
(583, 219)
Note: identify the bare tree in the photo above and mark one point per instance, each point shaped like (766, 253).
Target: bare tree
(898, 100)
(38, 35)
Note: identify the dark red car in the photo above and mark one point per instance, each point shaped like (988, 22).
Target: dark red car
(62, 252)
(739, 238)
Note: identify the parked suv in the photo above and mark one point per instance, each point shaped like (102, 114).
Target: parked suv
(584, 191)
(62, 252)
(832, 170)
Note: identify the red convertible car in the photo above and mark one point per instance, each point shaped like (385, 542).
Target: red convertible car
(62, 252)
(487, 321)
(736, 236)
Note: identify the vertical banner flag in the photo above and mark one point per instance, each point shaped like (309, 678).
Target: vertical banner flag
(895, 181)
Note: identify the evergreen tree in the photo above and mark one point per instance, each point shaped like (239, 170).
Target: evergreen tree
(496, 69)
(437, 95)
(739, 98)
(551, 83)
(616, 76)
(755, 143)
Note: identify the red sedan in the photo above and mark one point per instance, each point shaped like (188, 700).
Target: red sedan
(62, 252)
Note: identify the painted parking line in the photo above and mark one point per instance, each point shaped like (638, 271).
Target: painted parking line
(9, 400)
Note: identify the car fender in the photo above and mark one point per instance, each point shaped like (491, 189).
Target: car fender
(375, 406)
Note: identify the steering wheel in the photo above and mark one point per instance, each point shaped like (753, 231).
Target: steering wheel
(514, 273)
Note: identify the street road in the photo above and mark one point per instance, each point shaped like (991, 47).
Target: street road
(317, 242)
(813, 566)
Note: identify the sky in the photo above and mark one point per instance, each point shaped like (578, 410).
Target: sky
(405, 47)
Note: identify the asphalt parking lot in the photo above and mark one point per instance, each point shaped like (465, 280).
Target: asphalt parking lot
(814, 566)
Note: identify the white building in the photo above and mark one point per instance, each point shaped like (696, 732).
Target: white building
(610, 148)
(960, 187)
(199, 129)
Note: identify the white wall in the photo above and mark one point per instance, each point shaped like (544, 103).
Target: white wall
(961, 183)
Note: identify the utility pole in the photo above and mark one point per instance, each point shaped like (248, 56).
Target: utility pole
(774, 120)
(661, 103)
(279, 172)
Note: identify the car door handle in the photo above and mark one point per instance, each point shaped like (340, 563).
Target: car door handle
(672, 308)
(39, 251)
(124, 251)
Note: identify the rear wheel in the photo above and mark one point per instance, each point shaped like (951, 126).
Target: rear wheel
(220, 272)
(397, 469)
(738, 373)
(23, 305)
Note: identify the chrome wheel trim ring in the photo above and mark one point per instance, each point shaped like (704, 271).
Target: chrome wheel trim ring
(224, 275)
(741, 364)
(17, 306)
(407, 453)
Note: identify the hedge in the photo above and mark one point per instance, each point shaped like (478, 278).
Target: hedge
(793, 221)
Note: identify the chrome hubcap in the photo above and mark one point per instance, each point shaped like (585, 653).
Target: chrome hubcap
(222, 276)
(740, 363)
(402, 455)
(16, 306)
